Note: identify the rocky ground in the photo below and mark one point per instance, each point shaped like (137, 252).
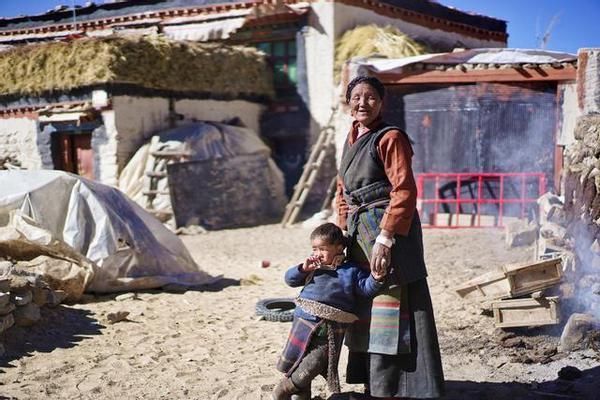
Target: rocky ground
(208, 343)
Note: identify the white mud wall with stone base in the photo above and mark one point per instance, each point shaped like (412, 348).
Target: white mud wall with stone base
(132, 121)
(19, 141)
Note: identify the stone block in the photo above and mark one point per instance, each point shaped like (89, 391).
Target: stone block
(40, 295)
(6, 321)
(4, 298)
(27, 315)
(55, 297)
(4, 284)
(7, 308)
(21, 299)
(575, 330)
(520, 233)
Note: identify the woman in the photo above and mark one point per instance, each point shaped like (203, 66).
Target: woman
(394, 349)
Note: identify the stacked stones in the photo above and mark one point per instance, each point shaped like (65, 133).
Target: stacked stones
(21, 298)
(573, 227)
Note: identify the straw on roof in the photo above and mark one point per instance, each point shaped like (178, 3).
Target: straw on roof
(151, 63)
(372, 40)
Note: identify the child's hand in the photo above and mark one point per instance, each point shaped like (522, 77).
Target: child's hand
(379, 276)
(311, 263)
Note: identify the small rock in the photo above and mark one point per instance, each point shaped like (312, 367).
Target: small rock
(18, 284)
(6, 321)
(55, 297)
(569, 373)
(4, 298)
(4, 284)
(21, 299)
(114, 317)
(575, 330)
(513, 342)
(27, 315)
(520, 233)
(6, 267)
(40, 295)
(126, 296)
(7, 308)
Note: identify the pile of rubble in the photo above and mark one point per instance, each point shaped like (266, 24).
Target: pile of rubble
(22, 297)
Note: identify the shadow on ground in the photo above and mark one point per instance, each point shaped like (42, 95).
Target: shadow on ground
(584, 387)
(60, 327)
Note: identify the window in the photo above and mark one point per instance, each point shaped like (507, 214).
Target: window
(282, 59)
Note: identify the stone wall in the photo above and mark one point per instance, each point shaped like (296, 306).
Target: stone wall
(571, 225)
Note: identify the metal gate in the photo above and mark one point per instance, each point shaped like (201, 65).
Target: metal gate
(474, 200)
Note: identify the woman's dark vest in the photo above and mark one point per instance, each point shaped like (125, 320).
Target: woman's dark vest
(366, 185)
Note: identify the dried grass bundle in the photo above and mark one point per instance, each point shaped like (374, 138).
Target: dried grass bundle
(372, 40)
(153, 63)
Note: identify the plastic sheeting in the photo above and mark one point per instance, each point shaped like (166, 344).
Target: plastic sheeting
(130, 248)
(202, 141)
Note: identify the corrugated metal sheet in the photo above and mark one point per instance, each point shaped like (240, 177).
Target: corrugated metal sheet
(485, 127)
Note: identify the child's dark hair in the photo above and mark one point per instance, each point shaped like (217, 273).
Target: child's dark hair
(330, 233)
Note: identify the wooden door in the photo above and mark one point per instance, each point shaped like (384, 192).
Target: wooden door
(73, 153)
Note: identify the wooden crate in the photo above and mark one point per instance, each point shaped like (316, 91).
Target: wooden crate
(513, 281)
(528, 278)
(525, 312)
(493, 285)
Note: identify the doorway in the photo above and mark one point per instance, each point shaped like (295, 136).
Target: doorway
(72, 152)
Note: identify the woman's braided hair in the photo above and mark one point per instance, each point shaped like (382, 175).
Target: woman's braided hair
(369, 80)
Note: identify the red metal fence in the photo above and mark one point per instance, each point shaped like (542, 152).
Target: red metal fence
(474, 200)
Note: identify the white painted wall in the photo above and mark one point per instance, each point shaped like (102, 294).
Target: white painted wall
(591, 79)
(319, 52)
(136, 119)
(105, 148)
(18, 140)
(214, 110)
(568, 114)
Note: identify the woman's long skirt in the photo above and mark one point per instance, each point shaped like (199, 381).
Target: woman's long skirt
(417, 374)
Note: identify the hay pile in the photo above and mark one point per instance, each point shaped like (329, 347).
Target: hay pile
(150, 63)
(372, 40)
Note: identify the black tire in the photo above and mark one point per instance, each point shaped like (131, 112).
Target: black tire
(276, 310)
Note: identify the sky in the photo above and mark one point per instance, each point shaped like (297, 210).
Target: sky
(570, 24)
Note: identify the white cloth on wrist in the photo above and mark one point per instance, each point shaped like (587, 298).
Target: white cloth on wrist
(387, 242)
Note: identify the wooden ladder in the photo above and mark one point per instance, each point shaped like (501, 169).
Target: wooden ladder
(159, 160)
(310, 172)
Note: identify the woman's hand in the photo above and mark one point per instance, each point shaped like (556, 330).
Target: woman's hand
(380, 260)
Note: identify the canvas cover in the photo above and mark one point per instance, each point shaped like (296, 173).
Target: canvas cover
(129, 248)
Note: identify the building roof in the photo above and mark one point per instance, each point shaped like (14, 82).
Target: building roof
(92, 16)
(474, 65)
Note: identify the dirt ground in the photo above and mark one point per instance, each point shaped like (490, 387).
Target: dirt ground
(208, 344)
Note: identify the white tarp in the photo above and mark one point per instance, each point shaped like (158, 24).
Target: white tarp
(131, 249)
(472, 56)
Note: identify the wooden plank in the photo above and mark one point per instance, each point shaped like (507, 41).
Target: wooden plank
(525, 312)
(479, 75)
(492, 285)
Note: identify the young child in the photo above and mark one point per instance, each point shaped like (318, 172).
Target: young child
(332, 288)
